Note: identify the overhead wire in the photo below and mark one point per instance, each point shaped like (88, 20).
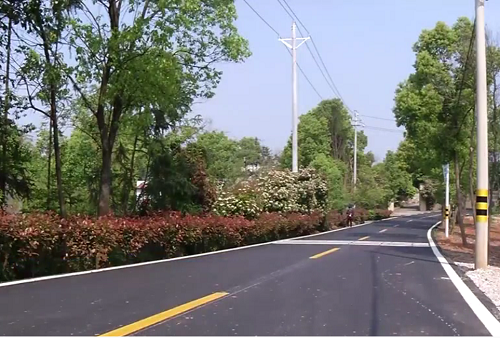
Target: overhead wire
(464, 70)
(307, 45)
(331, 83)
(377, 118)
(275, 31)
(385, 129)
(264, 20)
(327, 77)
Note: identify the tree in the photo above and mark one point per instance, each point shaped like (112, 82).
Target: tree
(14, 155)
(436, 104)
(220, 155)
(43, 69)
(326, 142)
(394, 175)
(159, 59)
(333, 172)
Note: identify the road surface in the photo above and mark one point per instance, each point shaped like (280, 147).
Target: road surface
(377, 279)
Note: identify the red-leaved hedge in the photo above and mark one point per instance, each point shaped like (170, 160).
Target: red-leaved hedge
(34, 245)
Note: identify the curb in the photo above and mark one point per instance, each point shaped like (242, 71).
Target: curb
(482, 312)
(487, 302)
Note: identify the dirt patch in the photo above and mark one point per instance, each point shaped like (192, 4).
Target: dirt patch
(452, 246)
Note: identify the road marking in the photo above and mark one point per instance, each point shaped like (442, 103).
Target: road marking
(396, 226)
(363, 238)
(383, 230)
(484, 315)
(324, 253)
(409, 221)
(340, 242)
(162, 316)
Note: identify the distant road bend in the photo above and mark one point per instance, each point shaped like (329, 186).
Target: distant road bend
(378, 279)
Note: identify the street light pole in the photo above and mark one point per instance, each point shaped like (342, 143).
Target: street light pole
(481, 246)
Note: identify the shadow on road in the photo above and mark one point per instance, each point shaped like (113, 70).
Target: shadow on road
(411, 256)
(374, 300)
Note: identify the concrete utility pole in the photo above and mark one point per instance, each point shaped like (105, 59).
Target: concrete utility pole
(481, 250)
(446, 173)
(295, 116)
(355, 171)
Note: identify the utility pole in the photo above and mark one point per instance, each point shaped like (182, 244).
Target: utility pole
(295, 116)
(446, 172)
(481, 249)
(355, 172)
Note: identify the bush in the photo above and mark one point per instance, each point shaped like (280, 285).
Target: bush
(275, 191)
(35, 245)
(243, 200)
(42, 244)
(334, 219)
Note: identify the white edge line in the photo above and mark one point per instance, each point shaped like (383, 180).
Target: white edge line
(484, 315)
(80, 273)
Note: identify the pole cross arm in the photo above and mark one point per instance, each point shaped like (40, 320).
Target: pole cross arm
(297, 39)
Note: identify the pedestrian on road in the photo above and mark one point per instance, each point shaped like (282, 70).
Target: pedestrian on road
(350, 215)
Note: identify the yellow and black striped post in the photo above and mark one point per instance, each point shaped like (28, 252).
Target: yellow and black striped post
(482, 206)
(481, 246)
(447, 212)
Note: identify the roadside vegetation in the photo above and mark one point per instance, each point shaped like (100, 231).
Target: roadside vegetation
(114, 83)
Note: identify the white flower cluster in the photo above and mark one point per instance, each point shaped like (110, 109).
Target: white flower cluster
(275, 191)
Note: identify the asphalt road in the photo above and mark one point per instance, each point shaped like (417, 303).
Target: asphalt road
(274, 289)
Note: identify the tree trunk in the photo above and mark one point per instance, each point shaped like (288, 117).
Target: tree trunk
(49, 167)
(53, 112)
(57, 153)
(3, 174)
(471, 173)
(105, 186)
(460, 205)
(108, 131)
(129, 184)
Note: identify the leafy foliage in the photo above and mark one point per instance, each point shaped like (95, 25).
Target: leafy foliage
(275, 191)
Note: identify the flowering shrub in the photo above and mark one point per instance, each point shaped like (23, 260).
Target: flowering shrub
(244, 200)
(275, 191)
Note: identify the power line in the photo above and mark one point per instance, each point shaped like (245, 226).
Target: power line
(305, 76)
(308, 48)
(464, 70)
(385, 129)
(267, 23)
(274, 30)
(378, 118)
(331, 84)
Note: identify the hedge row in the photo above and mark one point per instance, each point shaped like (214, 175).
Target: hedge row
(35, 245)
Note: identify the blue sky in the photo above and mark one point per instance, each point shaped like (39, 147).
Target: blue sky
(365, 44)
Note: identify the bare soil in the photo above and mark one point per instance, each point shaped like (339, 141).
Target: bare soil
(452, 246)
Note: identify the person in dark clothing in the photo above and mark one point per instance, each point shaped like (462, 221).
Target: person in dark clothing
(350, 215)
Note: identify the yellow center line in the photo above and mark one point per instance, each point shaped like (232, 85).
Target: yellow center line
(162, 316)
(324, 253)
(363, 238)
